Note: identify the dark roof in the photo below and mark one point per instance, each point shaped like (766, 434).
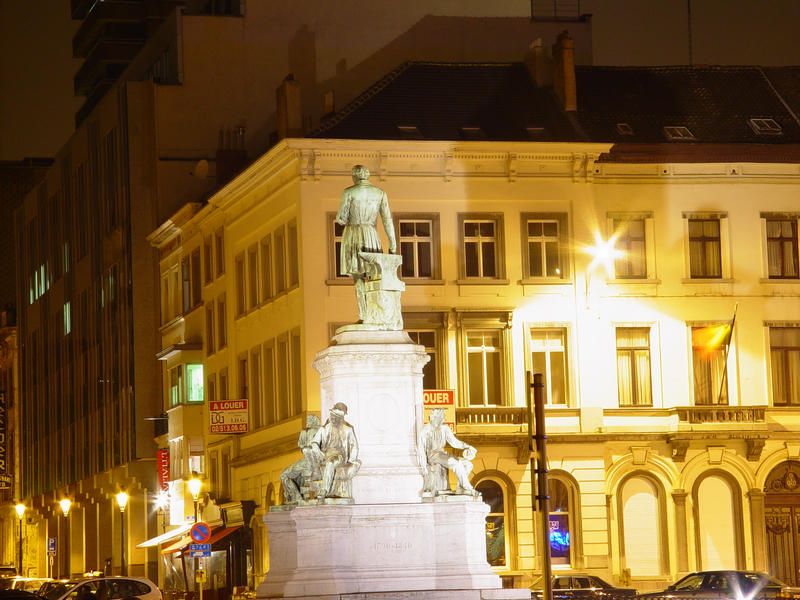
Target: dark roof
(453, 101)
(456, 101)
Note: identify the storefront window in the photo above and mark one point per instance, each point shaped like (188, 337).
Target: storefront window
(560, 539)
(495, 522)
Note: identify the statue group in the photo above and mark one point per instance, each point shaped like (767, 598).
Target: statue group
(330, 452)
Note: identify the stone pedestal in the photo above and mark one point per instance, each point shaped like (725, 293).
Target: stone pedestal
(378, 375)
(348, 549)
(389, 544)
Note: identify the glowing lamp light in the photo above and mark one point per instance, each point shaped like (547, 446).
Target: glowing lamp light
(122, 501)
(162, 500)
(65, 504)
(603, 252)
(194, 487)
(20, 508)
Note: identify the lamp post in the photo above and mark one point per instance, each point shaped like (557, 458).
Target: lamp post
(122, 502)
(162, 502)
(194, 488)
(65, 504)
(20, 508)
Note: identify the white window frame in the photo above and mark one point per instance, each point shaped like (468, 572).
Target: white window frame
(485, 321)
(614, 222)
(724, 247)
(569, 384)
(775, 216)
(433, 239)
(499, 247)
(733, 365)
(562, 222)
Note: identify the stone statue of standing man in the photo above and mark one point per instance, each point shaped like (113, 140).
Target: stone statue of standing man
(361, 204)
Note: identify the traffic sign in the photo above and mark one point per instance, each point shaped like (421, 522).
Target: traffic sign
(200, 547)
(199, 553)
(51, 544)
(200, 532)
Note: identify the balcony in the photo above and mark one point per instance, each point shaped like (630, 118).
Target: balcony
(492, 415)
(109, 20)
(721, 414)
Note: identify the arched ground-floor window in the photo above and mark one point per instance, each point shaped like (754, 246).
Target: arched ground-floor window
(641, 511)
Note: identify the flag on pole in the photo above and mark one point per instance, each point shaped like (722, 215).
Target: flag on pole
(712, 337)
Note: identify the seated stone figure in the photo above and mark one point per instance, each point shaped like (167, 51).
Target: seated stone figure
(435, 460)
(334, 450)
(297, 476)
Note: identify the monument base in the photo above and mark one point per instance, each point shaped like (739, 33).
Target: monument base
(490, 594)
(397, 550)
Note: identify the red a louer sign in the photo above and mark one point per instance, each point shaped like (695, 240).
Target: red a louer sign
(440, 399)
(162, 456)
(228, 416)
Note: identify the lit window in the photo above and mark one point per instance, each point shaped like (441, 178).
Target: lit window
(633, 366)
(560, 538)
(782, 256)
(708, 369)
(632, 261)
(484, 368)
(194, 374)
(784, 348)
(549, 357)
(705, 256)
(492, 494)
(67, 318)
(481, 248)
(544, 245)
(176, 385)
(416, 247)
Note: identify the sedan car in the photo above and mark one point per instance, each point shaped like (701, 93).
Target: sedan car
(727, 585)
(104, 588)
(579, 586)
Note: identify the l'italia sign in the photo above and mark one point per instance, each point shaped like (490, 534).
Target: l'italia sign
(228, 416)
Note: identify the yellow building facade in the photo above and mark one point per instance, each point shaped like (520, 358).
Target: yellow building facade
(667, 453)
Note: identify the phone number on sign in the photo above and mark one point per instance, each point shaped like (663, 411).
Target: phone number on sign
(231, 428)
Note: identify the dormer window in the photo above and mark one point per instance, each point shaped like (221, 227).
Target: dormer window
(677, 133)
(409, 132)
(471, 132)
(765, 126)
(624, 129)
(535, 133)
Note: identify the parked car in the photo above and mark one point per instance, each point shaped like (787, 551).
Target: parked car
(580, 586)
(103, 588)
(28, 584)
(728, 585)
(18, 595)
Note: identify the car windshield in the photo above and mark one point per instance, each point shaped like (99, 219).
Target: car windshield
(690, 583)
(57, 589)
(599, 583)
(751, 579)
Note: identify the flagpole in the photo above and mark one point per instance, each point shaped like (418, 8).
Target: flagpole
(727, 350)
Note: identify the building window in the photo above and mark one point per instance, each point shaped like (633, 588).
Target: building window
(222, 324)
(194, 376)
(484, 368)
(211, 388)
(428, 340)
(544, 254)
(195, 276)
(186, 286)
(223, 384)
(549, 357)
(252, 276)
(641, 509)
(293, 266)
(257, 408)
(242, 379)
(481, 246)
(208, 259)
(560, 530)
(708, 369)
(269, 401)
(631, 243)
(705, 251)
(210, 328)
(175, 385)
(784, 349)
(280, 260)
(492, 494)
(219, 243)
(633, 366)
(678, 133)
(417, 236)
(266, 269)
(335, 232)
(241, 286)
(782, 257)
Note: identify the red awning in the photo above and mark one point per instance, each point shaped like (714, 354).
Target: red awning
(216, 535)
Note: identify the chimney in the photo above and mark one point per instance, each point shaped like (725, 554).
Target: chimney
(564, 71)
(539, 65)
(289, 108)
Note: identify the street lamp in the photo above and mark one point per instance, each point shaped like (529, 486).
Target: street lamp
(65, 504)
(194, 488)
(122, 502)
(20, 508)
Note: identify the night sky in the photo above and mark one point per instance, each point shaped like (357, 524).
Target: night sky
(36, 68)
